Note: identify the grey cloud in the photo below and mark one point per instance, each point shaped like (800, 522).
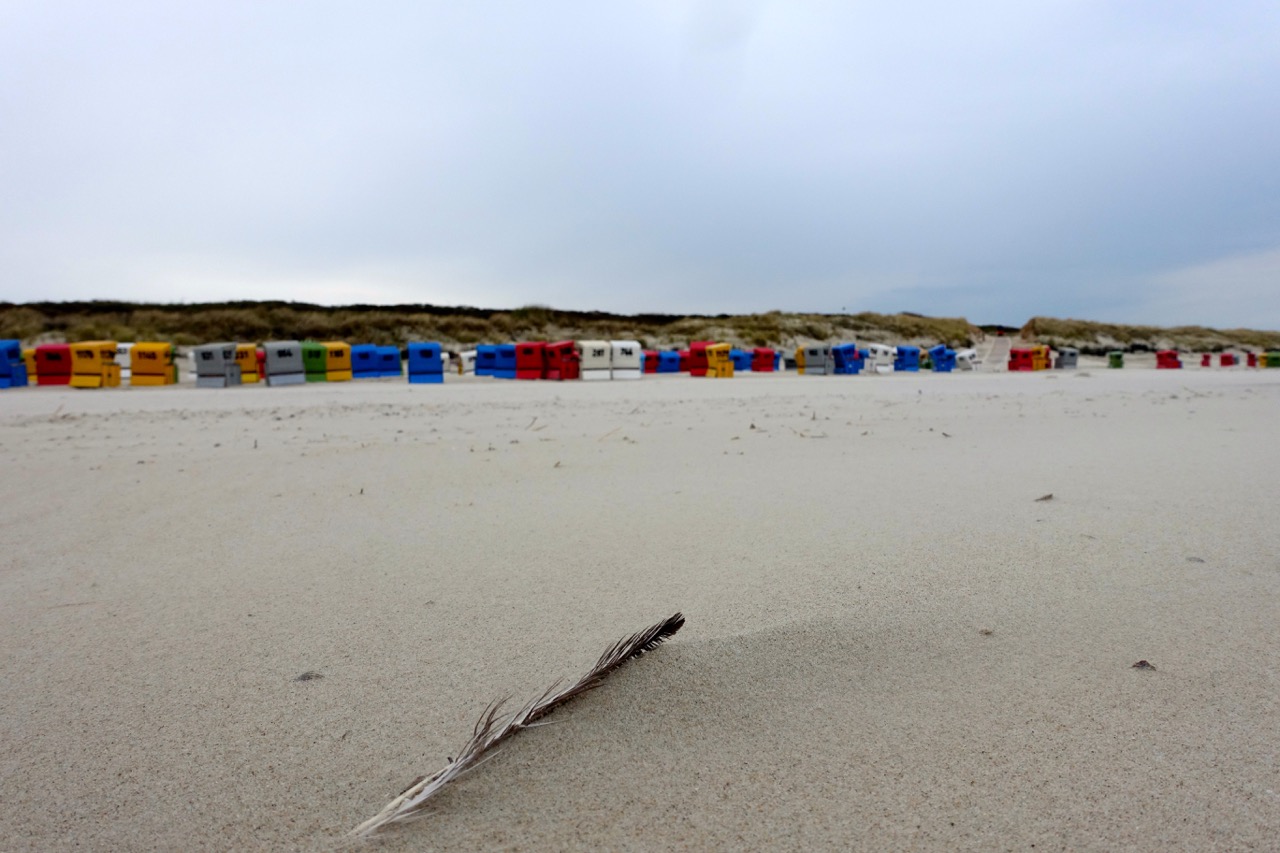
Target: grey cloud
(992, 160)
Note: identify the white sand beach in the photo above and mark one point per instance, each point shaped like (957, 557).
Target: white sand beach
(891, 643)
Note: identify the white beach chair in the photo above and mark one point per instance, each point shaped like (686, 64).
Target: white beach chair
(967, 359)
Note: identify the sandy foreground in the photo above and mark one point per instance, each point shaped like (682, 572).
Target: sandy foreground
(891, 644)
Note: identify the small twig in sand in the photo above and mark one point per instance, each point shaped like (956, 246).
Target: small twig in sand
(609, 433)
(494, 727)
(806, 434)
(1047, 497)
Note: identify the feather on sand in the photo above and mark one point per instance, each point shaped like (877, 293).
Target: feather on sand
(494, 726)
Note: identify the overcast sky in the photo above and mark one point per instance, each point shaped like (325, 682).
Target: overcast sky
(1107, 160)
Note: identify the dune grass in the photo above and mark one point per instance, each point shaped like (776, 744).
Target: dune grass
(1098, 338)
(455, 327)
(461, 327)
